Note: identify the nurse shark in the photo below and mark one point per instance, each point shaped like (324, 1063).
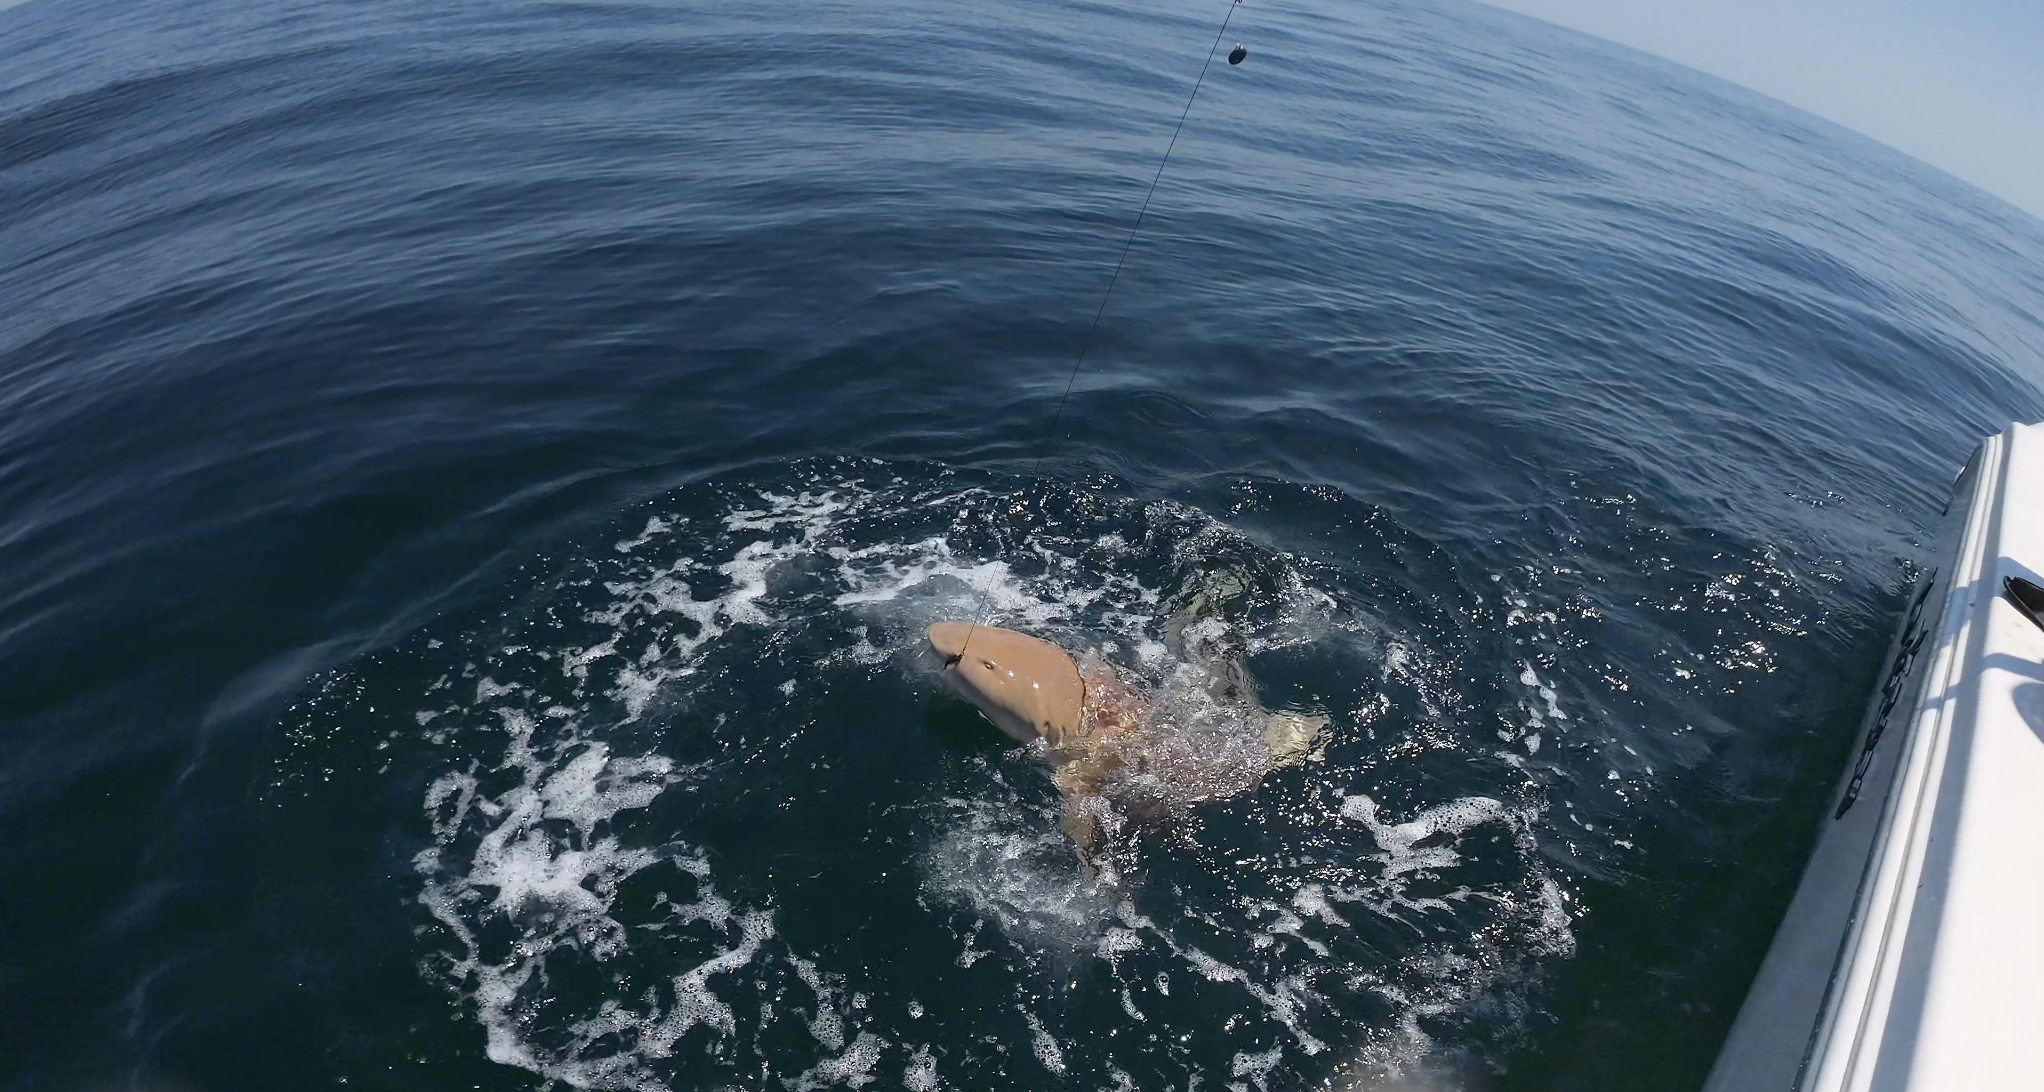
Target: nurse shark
(1118, 752)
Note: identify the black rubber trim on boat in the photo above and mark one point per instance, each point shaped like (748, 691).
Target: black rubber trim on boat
(2028, 598)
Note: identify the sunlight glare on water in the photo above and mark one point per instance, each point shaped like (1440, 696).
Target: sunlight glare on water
(474, 481)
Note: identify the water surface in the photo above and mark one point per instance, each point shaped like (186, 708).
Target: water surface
(473, 478)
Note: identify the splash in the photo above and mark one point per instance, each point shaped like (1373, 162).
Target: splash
(581, 740)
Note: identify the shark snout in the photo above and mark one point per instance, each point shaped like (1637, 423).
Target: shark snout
(948, 639)
(1027, 686)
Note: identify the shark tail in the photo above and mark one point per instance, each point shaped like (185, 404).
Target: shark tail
(1294, 738)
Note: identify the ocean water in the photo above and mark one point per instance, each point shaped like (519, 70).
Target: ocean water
(473, 478)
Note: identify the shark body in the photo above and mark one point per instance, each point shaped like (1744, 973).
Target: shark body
(1105, 739)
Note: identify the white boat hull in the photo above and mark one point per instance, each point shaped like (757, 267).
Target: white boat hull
(1912, 956)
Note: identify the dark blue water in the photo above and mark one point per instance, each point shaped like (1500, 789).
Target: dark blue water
(472, 478)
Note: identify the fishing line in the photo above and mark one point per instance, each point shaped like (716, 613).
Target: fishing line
(1235, 56)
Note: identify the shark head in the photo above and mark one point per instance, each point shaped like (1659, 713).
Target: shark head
(1029, 688)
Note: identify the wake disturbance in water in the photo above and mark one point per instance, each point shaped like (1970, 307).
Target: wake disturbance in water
(748, 659)
(1562, 425)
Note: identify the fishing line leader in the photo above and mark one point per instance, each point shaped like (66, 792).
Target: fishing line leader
(1235, 57)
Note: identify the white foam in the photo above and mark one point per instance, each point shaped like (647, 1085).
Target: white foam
(543, 858)
(1400, 841)
(1285, 999)
(1010, 864)
(694, 1004)
(812, 511)
(1117, 942)
(882, 573)
(1312, 901)
(921, 1074)
(1554, 935)
(827, 1024)
(1257, 1067)
(558, 891)
(655, 527)
(1043, 1045)
(852, 1069)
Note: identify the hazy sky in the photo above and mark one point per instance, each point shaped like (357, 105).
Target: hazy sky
(1958, 84)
